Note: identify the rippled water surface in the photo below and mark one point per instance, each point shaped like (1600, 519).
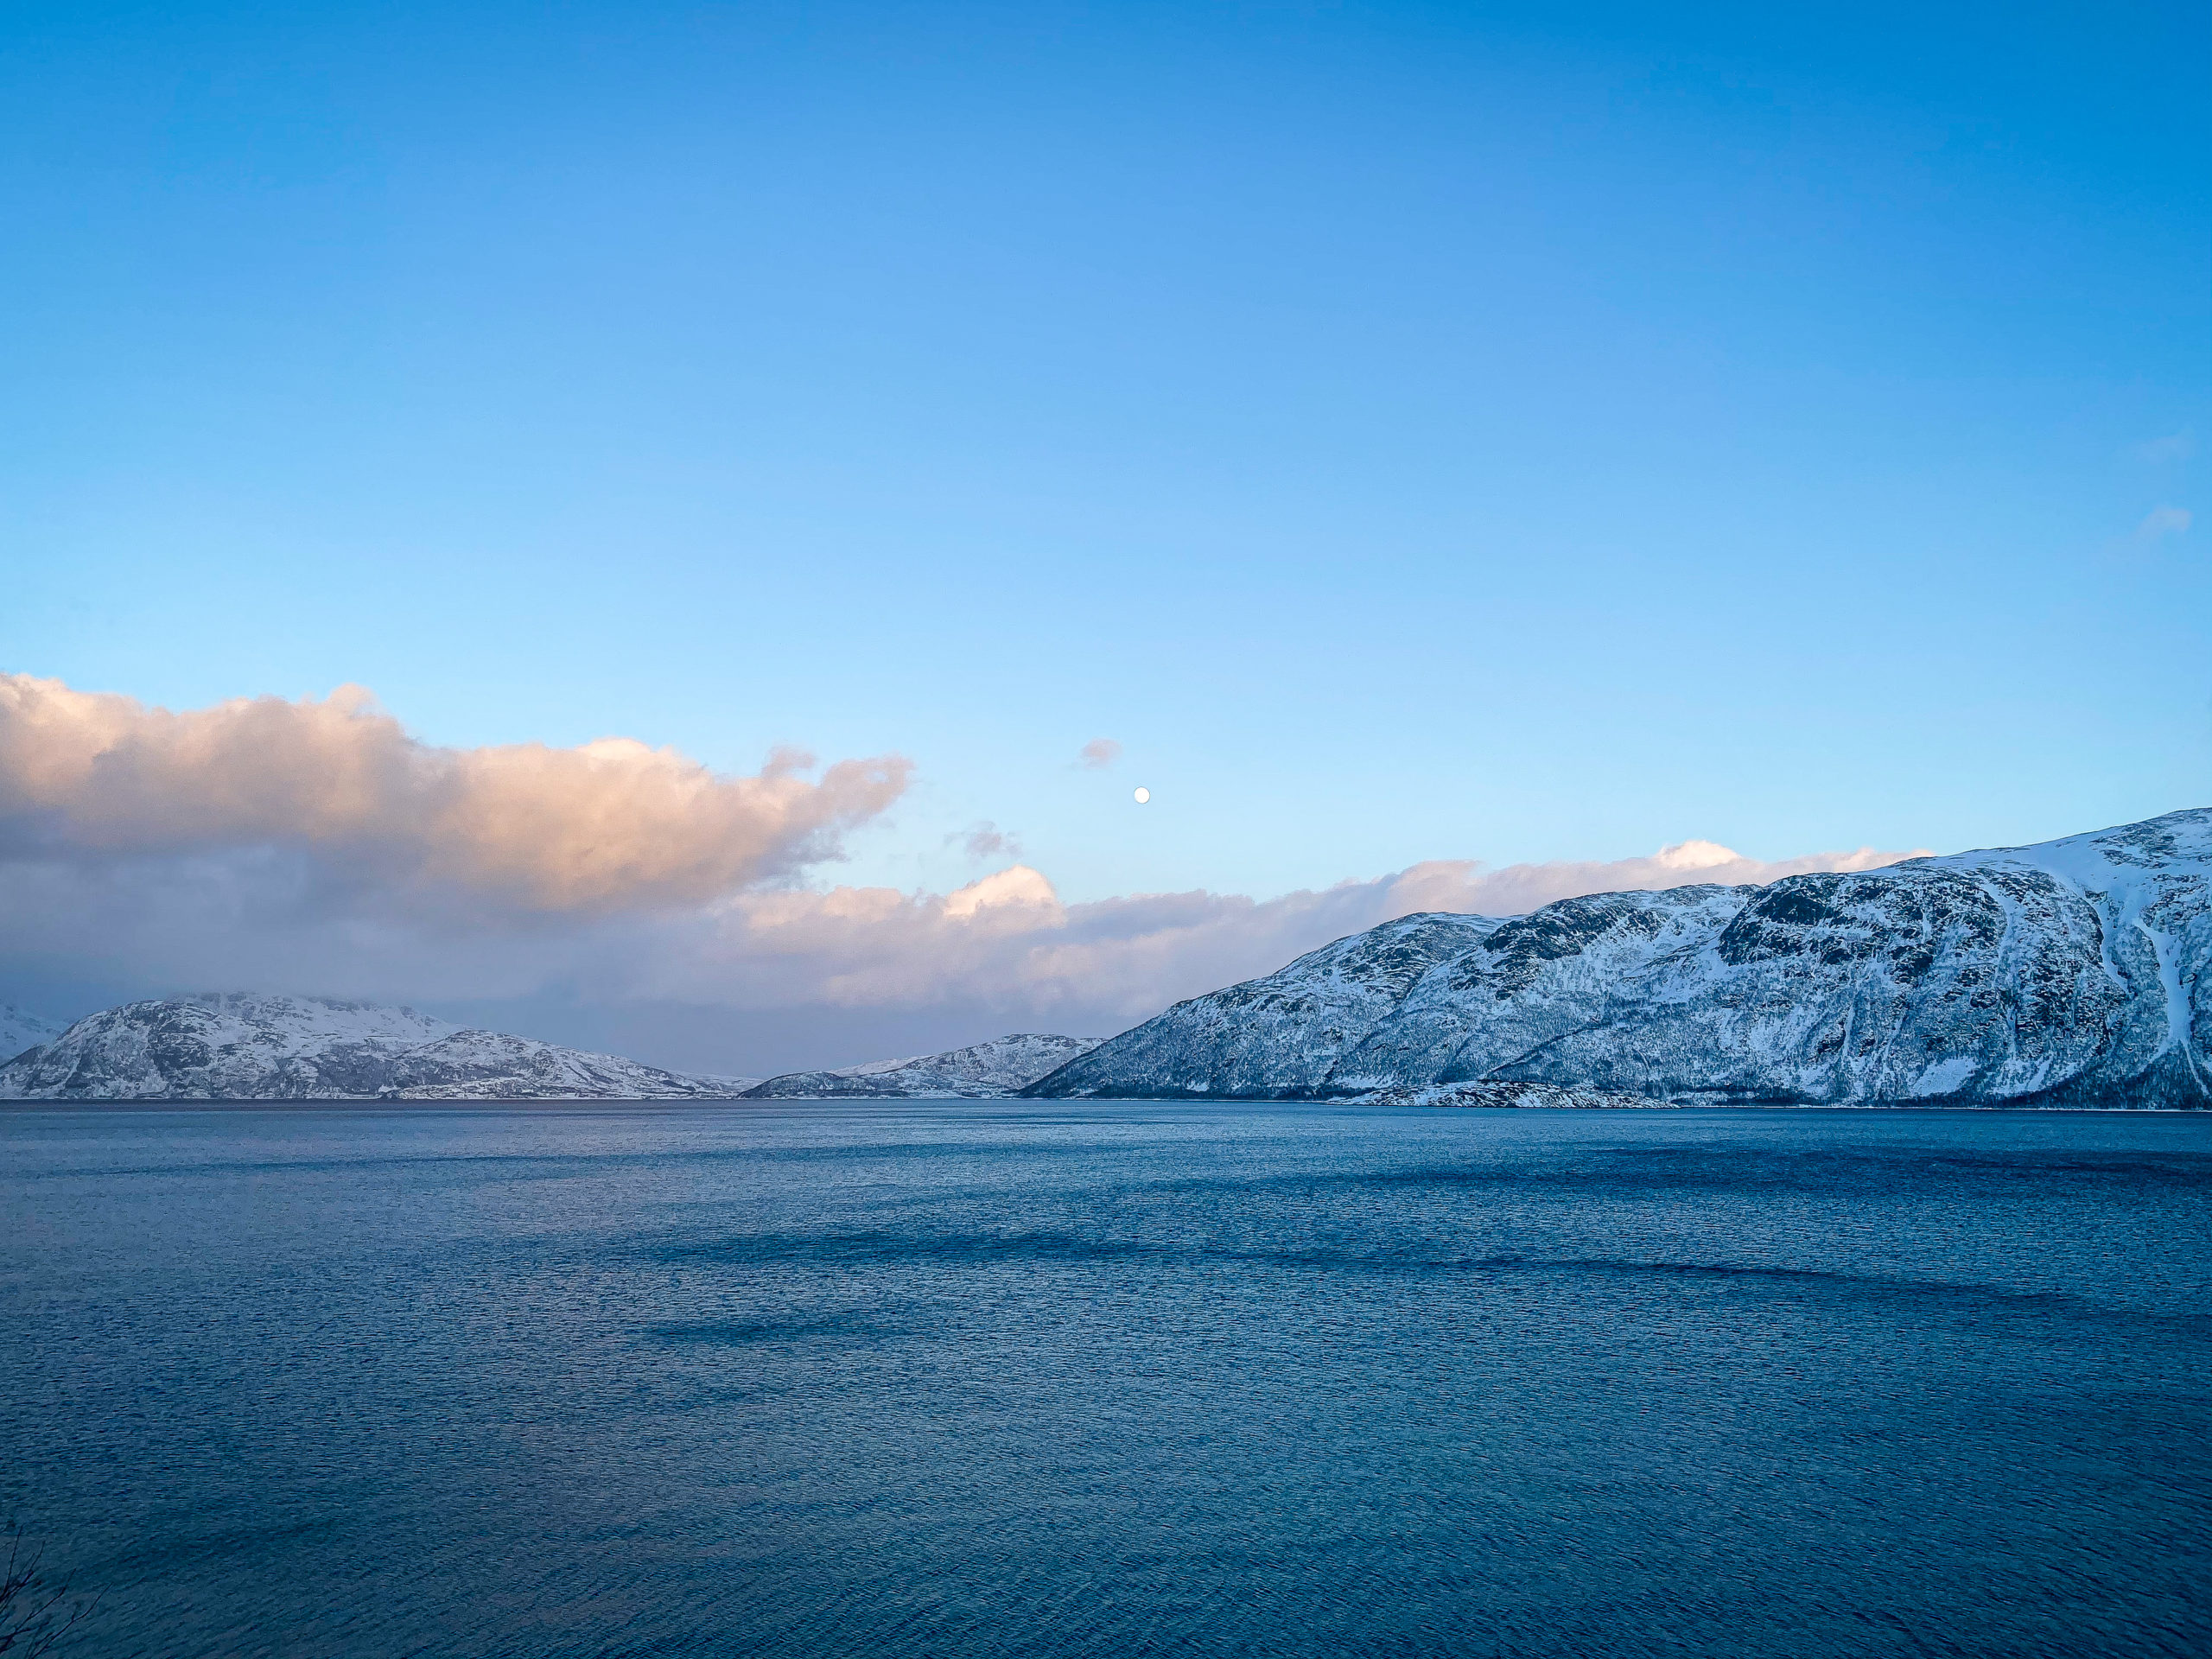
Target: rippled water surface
(951, 1378)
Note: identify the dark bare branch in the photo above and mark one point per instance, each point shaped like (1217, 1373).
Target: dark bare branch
(35, 1613)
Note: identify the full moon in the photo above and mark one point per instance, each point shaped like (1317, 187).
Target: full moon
(1143, 795)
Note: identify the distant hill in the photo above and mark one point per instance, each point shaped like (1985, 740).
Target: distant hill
(1005, 1065)
(232, 1047)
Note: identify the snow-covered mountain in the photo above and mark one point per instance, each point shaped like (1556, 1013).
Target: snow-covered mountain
(1005, 1065)
(310, 1048)
(21, 1029)
(2068, 973)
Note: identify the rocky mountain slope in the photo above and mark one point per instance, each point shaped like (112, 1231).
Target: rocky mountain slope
(1005, 1065)
(21, 1029)
(307, 1048)
(2068, 973)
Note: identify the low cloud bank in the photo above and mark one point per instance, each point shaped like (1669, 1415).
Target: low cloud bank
(1008, 943)
(613, 894)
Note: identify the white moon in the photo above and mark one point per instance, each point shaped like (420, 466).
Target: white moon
(1143, 795)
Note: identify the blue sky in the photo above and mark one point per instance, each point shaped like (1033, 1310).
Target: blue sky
(1413, 432)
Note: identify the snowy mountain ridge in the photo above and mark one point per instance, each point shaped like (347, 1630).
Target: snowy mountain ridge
(2068, 973)
(242, 1048)
(987, 1070)
(237, 1047)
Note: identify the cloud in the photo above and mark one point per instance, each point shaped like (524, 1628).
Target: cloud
(611, 825)
(612, 894)
(1519, 888)
(2162, 522)
(986, 840)
(1016, 891)
(1008, 943)
(1099, 754)
(2177, 446)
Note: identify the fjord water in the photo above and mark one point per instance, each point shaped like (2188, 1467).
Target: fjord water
(982, 1379)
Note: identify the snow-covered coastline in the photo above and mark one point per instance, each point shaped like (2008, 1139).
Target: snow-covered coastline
(269, 1048)
(994, 1070)
(249, 1048)
(2071, 974)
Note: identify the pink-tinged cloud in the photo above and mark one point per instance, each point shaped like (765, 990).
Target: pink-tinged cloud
(611, 825)
(1100, 752)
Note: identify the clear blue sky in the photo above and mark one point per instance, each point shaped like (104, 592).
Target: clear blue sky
(1412, 431)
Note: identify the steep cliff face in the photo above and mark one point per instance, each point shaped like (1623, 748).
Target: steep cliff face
(310, 1048)
(2072, 972)
(981, 1072)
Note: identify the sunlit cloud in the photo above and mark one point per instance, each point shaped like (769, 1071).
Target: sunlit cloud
(610, 825)
(1099, 754)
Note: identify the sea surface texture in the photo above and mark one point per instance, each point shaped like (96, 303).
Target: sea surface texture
(1102, 1378)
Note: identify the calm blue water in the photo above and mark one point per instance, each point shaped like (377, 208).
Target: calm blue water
(944, 1378)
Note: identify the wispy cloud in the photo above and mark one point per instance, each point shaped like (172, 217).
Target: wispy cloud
(986, 840)
(1099, 753)
(2177, 446)
(2162, 522)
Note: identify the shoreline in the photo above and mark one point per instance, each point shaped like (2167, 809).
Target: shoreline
(643, 1106)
